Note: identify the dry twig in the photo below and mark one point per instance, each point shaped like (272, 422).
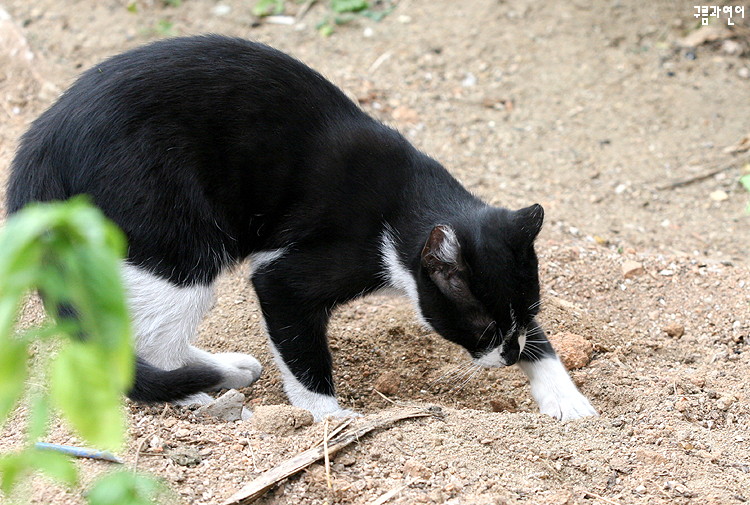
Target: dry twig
(326, 454)
(599, 497)
(257, 488)
(717, 168)
(380, 500)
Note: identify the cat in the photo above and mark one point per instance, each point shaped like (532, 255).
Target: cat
(207, 150)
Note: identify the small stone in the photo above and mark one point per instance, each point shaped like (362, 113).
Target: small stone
(185, 456)
(725, 402)
(574, 350)
(744, 73)
(388, 383)
(719, 195)
(182, 433)
(280, 419)
(404, 114)
(485, 441)
(632, 269)
(227, 407)
(469, 80)
(156, 444)
(502, 404)
(731, 47)
(346, 459)
(414, 468)
(674, 330)
(640, 489)
(221, 10)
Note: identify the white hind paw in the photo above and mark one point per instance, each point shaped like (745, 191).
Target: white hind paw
(196, 399)
(240, 370)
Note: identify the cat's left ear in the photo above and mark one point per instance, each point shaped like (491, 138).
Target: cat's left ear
(529, 221)
(443, 261)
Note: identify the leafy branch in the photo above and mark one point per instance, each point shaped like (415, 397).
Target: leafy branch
(70, 254)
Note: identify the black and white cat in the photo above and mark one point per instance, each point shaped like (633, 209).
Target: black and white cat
(209, 150)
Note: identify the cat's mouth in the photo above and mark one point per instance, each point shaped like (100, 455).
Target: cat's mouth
(497, 357)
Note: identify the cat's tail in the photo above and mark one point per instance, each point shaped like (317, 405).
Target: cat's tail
(155, 385)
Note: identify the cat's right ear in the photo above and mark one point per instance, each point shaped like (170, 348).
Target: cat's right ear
(529, 221)
(443, 262)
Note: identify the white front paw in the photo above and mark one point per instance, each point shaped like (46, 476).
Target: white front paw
(565, 407)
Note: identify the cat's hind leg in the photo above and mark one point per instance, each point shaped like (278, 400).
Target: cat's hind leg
(551, 386)
(165, 321)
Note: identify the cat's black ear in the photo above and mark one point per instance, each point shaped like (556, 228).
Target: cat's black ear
(443, 261)
(529, 221)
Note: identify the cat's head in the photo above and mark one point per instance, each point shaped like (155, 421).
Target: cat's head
(479, 282)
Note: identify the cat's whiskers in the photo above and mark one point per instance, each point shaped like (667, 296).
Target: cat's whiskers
(474, 371)
(534, 305)
(533, 350)
(536, 331)
(450, 374)
(469, 370)
(485, 330)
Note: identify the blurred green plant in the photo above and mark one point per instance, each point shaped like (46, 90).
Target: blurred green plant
(70, 253)
(340, 12)
(346, 11)
(165, 28)
(268, 8)
(745, 181)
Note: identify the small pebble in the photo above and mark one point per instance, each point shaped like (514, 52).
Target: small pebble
(719, 195)
(574, 350)
(674, 330)
(632, 269)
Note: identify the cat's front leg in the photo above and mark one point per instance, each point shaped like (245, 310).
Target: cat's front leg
(297, 331)
(551, 386)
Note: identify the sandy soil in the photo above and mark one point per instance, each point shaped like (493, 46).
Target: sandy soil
(587, 110)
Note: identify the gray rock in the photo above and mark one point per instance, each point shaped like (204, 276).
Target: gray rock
(227, 407)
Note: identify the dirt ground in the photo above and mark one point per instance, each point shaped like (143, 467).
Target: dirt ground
(589, 108)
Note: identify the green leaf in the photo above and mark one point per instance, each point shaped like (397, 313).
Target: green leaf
(745, 181)
(325, 29)
(376, 15)
(12, 468)
(268, 7)
(82, 387)
(341, 6)
(124, 488)
(38, 418)
(54, 465)
(13, 357)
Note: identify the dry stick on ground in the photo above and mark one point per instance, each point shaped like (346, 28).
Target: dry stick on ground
(717, 168)
(255, 489)
(599, 497)
(326, 454)
(390, 494)
(303, 10)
